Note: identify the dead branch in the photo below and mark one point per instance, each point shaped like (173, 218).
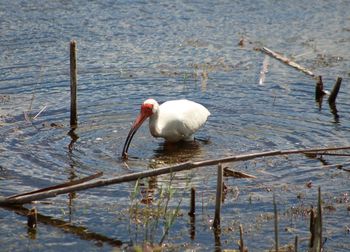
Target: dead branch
(29, 197)
(286, 61)
(335, 91)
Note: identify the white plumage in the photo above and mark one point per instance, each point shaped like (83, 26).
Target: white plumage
(173, 120)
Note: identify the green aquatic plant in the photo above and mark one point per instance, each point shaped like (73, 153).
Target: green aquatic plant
(154, 214)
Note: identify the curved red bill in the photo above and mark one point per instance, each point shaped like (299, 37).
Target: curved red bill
(136, 125)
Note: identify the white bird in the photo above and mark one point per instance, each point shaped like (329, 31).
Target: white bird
(172, 120)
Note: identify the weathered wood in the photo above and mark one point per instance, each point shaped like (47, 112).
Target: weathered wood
(156, 172)
(286, 61)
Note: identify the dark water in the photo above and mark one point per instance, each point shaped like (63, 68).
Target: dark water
(132, 50)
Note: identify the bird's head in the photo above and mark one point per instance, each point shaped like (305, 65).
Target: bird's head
(148, 108)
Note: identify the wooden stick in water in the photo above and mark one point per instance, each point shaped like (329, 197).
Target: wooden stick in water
(73, 84)
(276, 223)
(219, 187)
(241, 242)
(319, 89)
(335, 91)
(193, 202)
(32, 218)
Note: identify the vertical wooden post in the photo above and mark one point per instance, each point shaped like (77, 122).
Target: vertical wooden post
(193, 202)
(219, 187)
(73, 84)
(192, 213)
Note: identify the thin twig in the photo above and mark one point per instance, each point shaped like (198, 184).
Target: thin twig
(330, 154)
(276, 223)
(42, 110)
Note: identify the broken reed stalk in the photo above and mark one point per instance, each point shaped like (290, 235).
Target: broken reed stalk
(316, 226)
(296, 244)
(139, 175)
(276, 222)
(73, 84)
(312, 227)
(219, 187)
(333, 96)
(192, 211)
(286, 61)
(241, 242)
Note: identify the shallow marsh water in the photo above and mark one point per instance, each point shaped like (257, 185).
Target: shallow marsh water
(132, 50)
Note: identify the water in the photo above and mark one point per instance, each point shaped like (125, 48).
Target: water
(132, 50)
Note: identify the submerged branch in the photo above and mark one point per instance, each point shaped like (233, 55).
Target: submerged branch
(28, 197)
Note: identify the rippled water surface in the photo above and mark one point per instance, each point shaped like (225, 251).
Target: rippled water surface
(129, 51)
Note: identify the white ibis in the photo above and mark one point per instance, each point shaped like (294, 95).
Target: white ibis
(172, 120)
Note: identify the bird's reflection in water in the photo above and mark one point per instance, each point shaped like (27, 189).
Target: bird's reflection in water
(167, 154)
(173, 153)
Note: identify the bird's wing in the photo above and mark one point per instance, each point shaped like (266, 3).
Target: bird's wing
(182, 119)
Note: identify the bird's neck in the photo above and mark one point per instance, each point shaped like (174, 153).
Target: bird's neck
(154, 125)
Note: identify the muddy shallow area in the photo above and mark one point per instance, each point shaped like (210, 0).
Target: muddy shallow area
(129, 51)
